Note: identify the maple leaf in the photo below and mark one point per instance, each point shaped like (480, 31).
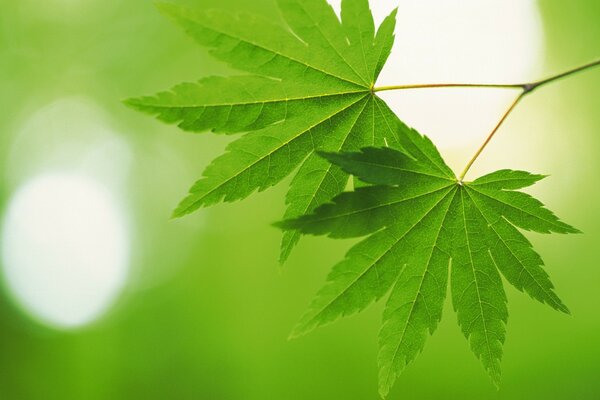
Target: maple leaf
(422, 224)
(309, 88)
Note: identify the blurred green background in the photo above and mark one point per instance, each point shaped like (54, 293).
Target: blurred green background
(206, 310)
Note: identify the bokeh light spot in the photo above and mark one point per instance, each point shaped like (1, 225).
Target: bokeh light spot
(64, 248)
(473, 41)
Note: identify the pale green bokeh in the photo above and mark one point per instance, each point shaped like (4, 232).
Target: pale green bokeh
(207, 311)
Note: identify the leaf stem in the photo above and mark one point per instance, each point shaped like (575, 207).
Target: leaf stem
(449, 85)
(526, 88)
(491, 136)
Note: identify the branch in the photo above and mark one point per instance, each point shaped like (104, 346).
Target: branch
(526, 88)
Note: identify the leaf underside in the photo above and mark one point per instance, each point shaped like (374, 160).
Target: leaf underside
(423, 229)
(308, 87)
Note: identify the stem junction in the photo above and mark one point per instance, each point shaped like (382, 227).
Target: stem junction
(525, 89)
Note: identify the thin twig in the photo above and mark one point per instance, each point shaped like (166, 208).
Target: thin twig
(565, 74)
(526, 89)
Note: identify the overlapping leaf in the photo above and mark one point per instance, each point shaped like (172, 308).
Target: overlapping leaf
(423, 228)
(310, 87)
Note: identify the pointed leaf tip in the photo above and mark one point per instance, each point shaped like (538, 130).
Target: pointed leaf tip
(565, 309)
(176, 214)
(296, 333)
(284, 225)
(185, 207)
(129, 102)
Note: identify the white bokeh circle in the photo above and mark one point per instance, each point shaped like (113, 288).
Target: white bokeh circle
(65, 239)
(64, 248)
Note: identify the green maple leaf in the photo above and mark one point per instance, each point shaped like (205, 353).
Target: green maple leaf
(309, 88)
(423, 225)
